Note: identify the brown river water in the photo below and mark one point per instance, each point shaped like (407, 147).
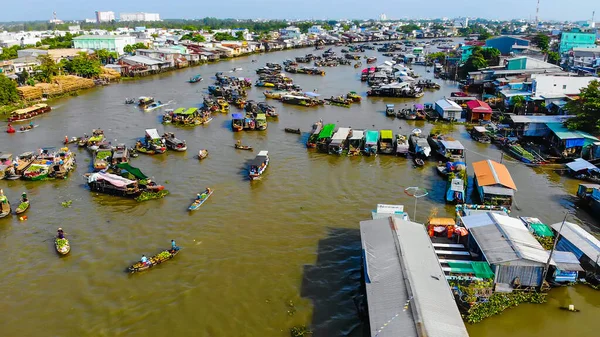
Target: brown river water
(258, 257)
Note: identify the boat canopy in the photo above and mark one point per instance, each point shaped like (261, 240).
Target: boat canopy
(189, 111)
(237, 116)
(327, 131)
(152, 133)
(480, 129)
(452, 145)
(389, 106)
(112, 179)
(30, 109)
(178, 111)
(260, 159)
(136, 172)
(341, 134)
(387, 134)
(372, 137)
(294, 97)
(311, 94)
(419, 107)
(580, 165)
(261, 117)
(357, 134)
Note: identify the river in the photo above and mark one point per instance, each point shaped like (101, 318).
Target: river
(259, 257)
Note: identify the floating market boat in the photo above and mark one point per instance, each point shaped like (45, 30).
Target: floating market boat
(154, 106)
(202, 154)
(201, 199)
(419, 145)
(386, 142)
(23, 206)
(4, 206)
(195, 79)
(113, 184)
(402, 146)
(153, 143)
(261, 122)
(324, 137)
(223, 104)
(354, 97)
(155, 260)
(339, 101)
(480, 134)
(102, 158)
(237, 122)
(390, 110)
(311, 143)
(29, 113)
(371, 142)
(243, 147)
(300, 100)
(62, 245)
(290, 130)
(145, 100)
(36, 172)
(174, 143)
(338, 141)
(258, 165)
(120, 155)
(96, 137)
(356, 142)
(448, 148)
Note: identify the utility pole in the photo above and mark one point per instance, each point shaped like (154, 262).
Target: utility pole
(552, 250)
(537, 13)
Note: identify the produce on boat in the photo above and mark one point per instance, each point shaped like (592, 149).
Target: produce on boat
(62, 245)
(174, 143)
(200, 199)
(202, 154)
(4, 206)
(23, 205)
(157, 259)
(314, 135)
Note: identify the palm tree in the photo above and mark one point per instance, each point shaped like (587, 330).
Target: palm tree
(518, 102)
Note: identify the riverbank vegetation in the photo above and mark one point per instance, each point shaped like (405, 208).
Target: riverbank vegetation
(499, 302)
(586, 109)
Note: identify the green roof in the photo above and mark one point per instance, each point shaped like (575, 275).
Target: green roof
(178, 111)
(541, 229)
(372, 137)
(261, 117)
(189, 111)
(480, 269)
(562, 132)
(387, 134)
(327, 131)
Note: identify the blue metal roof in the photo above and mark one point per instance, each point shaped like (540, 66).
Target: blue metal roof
(237, 116)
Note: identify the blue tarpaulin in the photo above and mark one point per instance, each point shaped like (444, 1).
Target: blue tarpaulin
(237, 116)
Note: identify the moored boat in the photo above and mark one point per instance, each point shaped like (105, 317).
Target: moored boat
(356, 142)
(338, 141)
(386, 142)
(314, 135)
(120, 155)
(448, 148)
(389, 110)
(419, 145)
(153, 143)
(480, 134)
(354, 97)
(237, 122)
(4, 206)
(261, 122)
(258, 165)
(402, 146)
(113, 184)
(200, 199)
(102, 158)
(371, 142)
(29, 113)
(324, 137)
(174, 143)
(155, 260)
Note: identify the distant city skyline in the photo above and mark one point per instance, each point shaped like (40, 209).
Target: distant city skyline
(31, 10)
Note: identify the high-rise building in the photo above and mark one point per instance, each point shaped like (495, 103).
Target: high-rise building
(105, 16)
(140, 16)
(383, 17)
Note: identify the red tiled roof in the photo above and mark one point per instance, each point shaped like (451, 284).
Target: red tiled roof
(479, 106)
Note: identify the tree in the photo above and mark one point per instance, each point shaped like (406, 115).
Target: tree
(9, 53)
(491, 55)
(83, 65)
(542, 41)
(223, 37)
(47, 69)
(474, 63)
(239, 35)
(518, 103)
(439, 56)
(131, 48)
(409, 28)
(8, 91)
(193, 37)
(553, 57)
(484, 35)
(586, 109)
(106, 56)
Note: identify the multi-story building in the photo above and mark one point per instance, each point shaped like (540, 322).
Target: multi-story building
(576, 39)
(140, 16)
(114, 43)
(105, 16)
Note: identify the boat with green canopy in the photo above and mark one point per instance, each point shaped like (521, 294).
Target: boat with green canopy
(386, 142)
(371, 142)
(325, 137)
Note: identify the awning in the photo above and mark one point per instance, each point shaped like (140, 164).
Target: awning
(580, 164)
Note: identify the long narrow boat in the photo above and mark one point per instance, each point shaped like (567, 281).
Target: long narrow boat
(29, 113)
(203, 197)
(311, 143)
(62, 246)
(23, 206)
(157, 259)
(4, 206)
(195, 79)
(258, 165)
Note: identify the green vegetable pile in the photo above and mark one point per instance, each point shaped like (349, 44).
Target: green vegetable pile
(22, 206)
(62, 242)
(66, 203)
(163, 255)
(145, 196)
(524, 153)
(101, 155)
(498, 302)
(546, 241)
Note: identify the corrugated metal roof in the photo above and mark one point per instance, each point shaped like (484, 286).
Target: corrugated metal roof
(566, 261)
(539, 119)
(562, 132)
(581, 239)
(402, 266)
(504, 239)
(580, 164)
(448, 105)
(495, 190)
(452, 144)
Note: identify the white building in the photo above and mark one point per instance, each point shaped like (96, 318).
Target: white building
(140, 16)
(105, 16)
(548, 85)
(316, 29)
(290, 32)
(382, 17)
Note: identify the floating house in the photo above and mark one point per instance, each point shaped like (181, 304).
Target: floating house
(494, 183)
(535, 126)
(584, 245)
(569, 143)
(589, 194)
(406, 290)
(448, 110)
(478, 111)
(515, 256)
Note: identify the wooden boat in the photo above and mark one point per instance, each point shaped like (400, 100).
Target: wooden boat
(237, 122)
(389, 110)
(243, 147)
(102, 157)
(145, 100)
(196, 79)
(23, 207)
(29, 113)
(174, 143)
(62, 246)
(480, 134)
(36, 172)
(290, 130)
(4, 206)
(339, 101)
(386, 142)
(258, 165)
(157, 259)
(113, 184)
(23, 162)
(356, 142)
(203, 197)
(27, 128)
(311, 143)
(402, 146)
(354, 97)
(202, 154)
(120, 155)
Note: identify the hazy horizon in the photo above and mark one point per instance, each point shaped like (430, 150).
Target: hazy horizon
(306, 9)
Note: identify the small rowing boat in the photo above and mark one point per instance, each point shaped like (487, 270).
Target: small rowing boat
(62, 245)
(23, 206)
(243, 147)
(200, 199)
(157, 259)
(202, 154)
(290, 130)
(4, 206)
(27, 128)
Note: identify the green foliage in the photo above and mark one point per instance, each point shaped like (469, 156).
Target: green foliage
(67, 203)
(106, 56)
(61, 242)
(9, 53)
(47, 69)
(484, 36)
(8, 91)
(59, 41)
(145, 196)
(300, 331)
(518, 103)
(586, 109)
(82, 65)
(553, 57)
(542, 41)
(409, 28)
(130, 48)
(499, 302)
(440, 56)
(224, 37)
(194, 37)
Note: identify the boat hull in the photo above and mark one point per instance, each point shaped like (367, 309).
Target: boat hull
(152, 262)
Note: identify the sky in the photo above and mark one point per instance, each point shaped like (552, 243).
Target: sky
(29, 10)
